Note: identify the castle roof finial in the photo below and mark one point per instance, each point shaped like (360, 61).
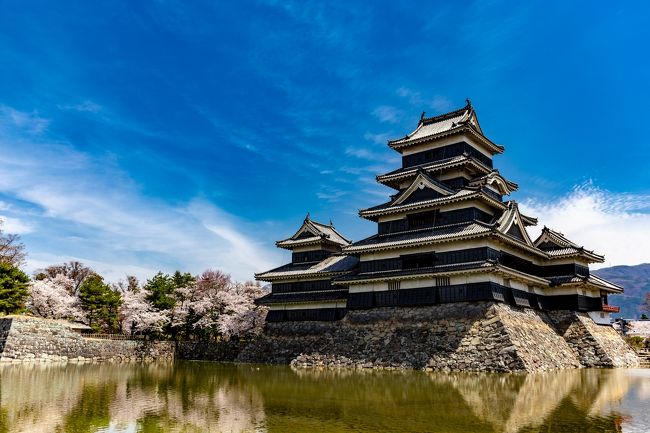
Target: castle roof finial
(307, 217)
(422, 116)
(469, 103)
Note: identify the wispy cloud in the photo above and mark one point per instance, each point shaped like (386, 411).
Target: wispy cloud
(438, 103)
(14, 225)
(28, 123)
(364, 153)
(330, 194)
(91, 210)
(387, 114)
(380, 138)
(85, 106)
(614, 224)
(441, 104)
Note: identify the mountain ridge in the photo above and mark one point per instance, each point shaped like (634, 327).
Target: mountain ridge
(635, 279)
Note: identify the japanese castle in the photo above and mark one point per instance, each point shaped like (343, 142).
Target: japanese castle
(446, 235)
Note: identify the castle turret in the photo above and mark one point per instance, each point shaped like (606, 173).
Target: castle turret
(303, 289)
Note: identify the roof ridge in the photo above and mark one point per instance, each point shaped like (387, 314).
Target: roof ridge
(441, 117)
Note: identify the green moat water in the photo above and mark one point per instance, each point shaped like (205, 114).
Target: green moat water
(206, 397)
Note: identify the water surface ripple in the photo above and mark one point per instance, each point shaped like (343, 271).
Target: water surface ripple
(207, 397)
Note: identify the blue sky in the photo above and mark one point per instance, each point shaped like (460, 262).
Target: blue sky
(145, 136)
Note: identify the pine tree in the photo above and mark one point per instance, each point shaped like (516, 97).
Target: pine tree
(13, 289)
(161, 292)
(101, 303)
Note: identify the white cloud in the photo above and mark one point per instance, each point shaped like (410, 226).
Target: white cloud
(616, 225)
(331, 195)
(85, 106)
(441, 104)
(14, 225)
(387, 114)
(366, 154)
(92, 211)
(29, 123)
(381, 138)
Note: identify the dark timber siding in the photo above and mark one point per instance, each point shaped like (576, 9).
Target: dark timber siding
(444, 152)
(311, 314)
(433, 259)
(485, 291)
(302, 286)
(412, 261)
(309, 256)
(420, 220)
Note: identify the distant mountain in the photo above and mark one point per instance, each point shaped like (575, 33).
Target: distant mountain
(635, 280)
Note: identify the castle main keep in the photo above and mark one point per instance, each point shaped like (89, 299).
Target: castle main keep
(447, 238)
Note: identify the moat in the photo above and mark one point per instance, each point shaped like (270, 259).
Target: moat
(209, 397)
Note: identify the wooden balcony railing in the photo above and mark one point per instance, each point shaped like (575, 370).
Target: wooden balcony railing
(611, 309)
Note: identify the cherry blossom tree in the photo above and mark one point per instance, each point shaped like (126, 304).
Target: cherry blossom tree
(137, 316)
(241, 317)
(76, 271)
(52, 298)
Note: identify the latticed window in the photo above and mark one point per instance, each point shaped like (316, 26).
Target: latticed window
(393, 285)
(442, 281)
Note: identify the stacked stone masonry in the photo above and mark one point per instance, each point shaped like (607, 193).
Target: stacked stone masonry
(481, 336)
(31, 339)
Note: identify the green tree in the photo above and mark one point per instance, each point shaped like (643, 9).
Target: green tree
(161, 292)
(13, 289)
(100, 302)
(165, 296)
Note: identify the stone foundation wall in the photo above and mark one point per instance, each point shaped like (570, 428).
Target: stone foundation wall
(481, 336)
(31, 339)
(595, 345)
(223, 351)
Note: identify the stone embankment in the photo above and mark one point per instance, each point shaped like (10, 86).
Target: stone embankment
(481, 336)
(454, 337)
(25, 338)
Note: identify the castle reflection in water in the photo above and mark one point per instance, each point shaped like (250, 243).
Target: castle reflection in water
(204, 397)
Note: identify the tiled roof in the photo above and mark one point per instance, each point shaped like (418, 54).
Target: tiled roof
(281, 298)
(555, 237)
(511, 217)
(589, 280)
(462, 194)
(564, 247)
(561, 252)
(494, 177)
(595, 279)
(450, 123)
(423, 236)
(417, 271)
(426, 129)
(320, 233)
(331, 265)
(430, 166)
(422, 180)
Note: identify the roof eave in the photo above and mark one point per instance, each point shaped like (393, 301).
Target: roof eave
(374, 215)
(401, 143)
(370, 248)
(412, 172)
(267, 276)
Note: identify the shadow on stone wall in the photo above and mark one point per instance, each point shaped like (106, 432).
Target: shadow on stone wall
(481, 336)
